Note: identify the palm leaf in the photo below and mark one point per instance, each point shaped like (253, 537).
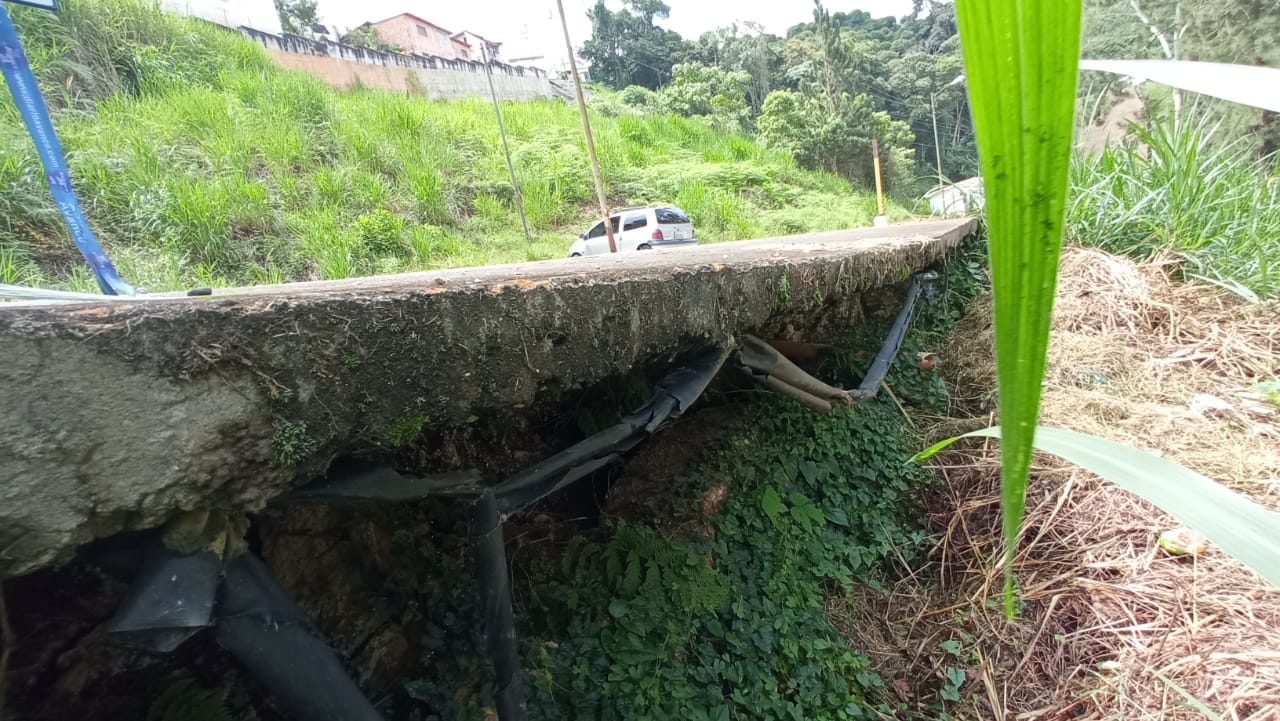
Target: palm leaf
(1242, 528)
(1251, 85)
(1020, 62)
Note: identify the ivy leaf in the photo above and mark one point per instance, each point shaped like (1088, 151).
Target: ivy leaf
(631, 580)
(837, 516)
(771, 504)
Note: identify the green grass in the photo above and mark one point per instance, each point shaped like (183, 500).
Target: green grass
(200, 162)
(1190, 190)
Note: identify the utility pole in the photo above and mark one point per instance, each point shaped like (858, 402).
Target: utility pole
(937, 144)
(502, 132)
(586, 130)
(881, 219)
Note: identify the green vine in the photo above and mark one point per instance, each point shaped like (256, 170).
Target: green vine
(728, 621)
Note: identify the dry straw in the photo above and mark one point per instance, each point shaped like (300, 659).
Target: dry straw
(1110, 627)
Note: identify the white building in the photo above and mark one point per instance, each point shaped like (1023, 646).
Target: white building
(959, 198)
(256, 14)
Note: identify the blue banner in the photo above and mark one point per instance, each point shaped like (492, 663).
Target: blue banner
(22, 85)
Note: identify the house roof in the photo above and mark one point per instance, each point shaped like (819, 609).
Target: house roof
(419, 18)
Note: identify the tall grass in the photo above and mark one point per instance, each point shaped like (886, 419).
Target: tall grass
(200, 162)
(1188, 189)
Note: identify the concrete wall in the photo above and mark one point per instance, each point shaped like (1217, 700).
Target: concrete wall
(260, 14)
(437, 78)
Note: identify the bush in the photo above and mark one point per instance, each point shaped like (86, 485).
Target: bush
(635, 96)
(381, 232)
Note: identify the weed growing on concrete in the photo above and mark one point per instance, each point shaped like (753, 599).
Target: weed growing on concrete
(404, 430)
(291, 444)
(784, 292)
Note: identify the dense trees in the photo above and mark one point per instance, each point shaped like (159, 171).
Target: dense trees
(822, 92)
(627, 48)
(831, 84)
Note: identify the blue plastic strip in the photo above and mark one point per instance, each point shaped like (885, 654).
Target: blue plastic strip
(42, 4)
(22, 85)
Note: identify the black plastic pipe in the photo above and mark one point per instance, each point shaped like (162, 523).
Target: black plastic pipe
(879, 368)
(494, 586)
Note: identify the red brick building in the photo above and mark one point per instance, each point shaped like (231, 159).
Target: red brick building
(417, 36)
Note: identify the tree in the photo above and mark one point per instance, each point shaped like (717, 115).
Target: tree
(1229, 31)
(921, 88)
(839, 141)
(836, 62)
(298, 16)
(703, 90)
(367, 36)
(747, 49)
(626, 48)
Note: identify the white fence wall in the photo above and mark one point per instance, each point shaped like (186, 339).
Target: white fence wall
(257, 14)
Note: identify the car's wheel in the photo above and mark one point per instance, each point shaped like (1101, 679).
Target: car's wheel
(645, 247)
(575, 255)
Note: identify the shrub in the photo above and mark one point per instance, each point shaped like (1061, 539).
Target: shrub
(636, 96)
(381, 232)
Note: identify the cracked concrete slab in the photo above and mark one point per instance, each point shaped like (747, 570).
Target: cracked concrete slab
(121, 413)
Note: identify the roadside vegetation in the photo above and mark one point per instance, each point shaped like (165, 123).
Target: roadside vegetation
(1186, 190)
(705, 591)
(199, 162)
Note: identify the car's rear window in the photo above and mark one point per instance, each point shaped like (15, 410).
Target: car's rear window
(671, 215)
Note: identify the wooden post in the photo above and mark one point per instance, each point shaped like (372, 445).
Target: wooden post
(502, 132)
(881, 218)
(586, 130)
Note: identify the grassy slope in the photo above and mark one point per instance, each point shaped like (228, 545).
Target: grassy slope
(200, 162)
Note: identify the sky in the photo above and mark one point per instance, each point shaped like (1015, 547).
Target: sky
(532, 27)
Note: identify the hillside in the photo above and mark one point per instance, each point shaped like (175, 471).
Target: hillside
(199, 162)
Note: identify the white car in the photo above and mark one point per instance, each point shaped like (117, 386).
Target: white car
(638, 229)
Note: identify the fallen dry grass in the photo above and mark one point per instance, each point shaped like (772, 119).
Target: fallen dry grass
(1109, 626)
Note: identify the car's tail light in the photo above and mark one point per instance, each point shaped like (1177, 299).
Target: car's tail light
(657, 235)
